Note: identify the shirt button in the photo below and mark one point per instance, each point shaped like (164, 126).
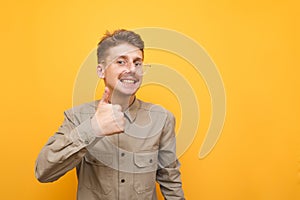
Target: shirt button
(86, 142)
(122, 180)
(122, 154)
(150, 160)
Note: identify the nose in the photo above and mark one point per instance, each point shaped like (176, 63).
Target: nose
(131, 66)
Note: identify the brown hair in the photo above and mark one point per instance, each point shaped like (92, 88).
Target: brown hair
(116, 38)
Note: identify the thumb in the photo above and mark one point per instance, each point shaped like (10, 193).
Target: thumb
(105, 96)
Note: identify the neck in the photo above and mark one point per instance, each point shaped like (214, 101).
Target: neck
(123, 100)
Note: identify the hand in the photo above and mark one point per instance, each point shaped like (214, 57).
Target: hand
(110, 118)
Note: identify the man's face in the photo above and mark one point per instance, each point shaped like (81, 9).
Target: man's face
(122, 69)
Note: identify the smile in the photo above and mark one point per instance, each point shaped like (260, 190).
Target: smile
(128, 80)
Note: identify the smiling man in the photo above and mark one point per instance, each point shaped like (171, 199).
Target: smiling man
(119, 145)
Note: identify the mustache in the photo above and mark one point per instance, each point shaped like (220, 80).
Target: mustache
(129, 75)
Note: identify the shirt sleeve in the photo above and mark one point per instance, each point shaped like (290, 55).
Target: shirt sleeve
(65, 149)
(168, 174)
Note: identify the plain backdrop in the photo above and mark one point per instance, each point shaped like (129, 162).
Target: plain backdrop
(254, 44)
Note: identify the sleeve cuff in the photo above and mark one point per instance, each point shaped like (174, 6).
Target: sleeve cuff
(84, 133)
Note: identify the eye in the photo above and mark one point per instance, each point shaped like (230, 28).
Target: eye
(121, 62)
(138, 64)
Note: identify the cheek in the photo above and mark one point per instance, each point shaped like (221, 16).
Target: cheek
(110, 74)
(140, 77)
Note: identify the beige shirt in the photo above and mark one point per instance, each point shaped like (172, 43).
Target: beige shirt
(123, 166)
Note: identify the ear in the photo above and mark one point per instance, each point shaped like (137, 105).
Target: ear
(100, 70)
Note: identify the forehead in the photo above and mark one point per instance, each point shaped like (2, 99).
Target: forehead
(124, 50)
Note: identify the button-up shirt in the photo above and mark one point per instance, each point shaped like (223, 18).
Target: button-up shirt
(123, 166)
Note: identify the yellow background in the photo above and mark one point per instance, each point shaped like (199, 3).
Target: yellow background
(255, 45)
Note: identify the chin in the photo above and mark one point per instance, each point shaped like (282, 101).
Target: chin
(128, 92)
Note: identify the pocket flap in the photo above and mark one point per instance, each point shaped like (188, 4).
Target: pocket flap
(145, 159)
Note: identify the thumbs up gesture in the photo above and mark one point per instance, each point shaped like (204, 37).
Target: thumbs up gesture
(110, 118)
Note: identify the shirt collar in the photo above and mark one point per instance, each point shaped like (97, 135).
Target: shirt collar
(130, 113)
(132, 110)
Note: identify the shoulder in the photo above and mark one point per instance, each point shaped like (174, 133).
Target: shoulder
(81, 112)
(84, 108)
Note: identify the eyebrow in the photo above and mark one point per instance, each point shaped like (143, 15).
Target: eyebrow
(126, 57)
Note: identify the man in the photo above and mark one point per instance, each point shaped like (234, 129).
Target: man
(119, 145)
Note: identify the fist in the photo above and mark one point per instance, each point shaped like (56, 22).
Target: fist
(110, 118)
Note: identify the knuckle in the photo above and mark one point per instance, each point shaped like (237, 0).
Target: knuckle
(116, 115)
(122, 128)
(118, 107)
(123, 123)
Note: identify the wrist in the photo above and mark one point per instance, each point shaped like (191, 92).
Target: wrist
(95, 126)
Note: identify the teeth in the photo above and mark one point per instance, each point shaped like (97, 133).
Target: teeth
(127, 81)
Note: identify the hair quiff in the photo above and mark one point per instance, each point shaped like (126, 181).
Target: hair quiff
(115, 38)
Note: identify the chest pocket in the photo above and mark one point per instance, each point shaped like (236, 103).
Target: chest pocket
(98, 175)
(145, 171)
